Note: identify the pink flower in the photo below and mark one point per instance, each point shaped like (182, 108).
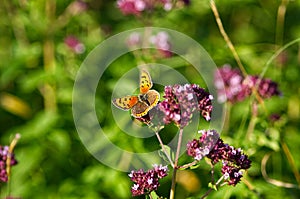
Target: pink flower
(134, 7)
(73, 43)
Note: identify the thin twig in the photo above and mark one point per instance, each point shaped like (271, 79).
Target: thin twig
(188, 165)
(273, 181)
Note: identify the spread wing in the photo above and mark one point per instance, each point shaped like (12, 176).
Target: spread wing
(153, 98)
(145, 82)
(125, 103)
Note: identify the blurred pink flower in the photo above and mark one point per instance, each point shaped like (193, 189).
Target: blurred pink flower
(73, 43)
(161, 41)
(134, 7)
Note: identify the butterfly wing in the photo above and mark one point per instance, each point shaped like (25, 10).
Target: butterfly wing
(145, 82)
(153, 98)
(139, 109)
(125, 103)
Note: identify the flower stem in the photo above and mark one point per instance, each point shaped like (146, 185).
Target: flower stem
(280, 22)
(226, 38)
(188, 165)
(175, 168)
(253, 120)
(164, 149)
(291, 161)
(232, 48)
(10, 151)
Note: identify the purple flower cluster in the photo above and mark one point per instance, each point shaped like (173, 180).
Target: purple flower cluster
(147, 181)
(233, 87)
(160, 41)
(228, 82)
(201, 147)
(4, 154)
(137, 7)
(266, 88)
(182, 100)
(213, 147)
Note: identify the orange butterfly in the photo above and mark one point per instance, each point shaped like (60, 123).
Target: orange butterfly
(141, 104)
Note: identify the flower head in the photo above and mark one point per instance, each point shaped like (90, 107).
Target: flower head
(233, 87)
(147, 181)
(266, 88)
(211, 146)
(182, 100)
(229, 86)
(199, 148)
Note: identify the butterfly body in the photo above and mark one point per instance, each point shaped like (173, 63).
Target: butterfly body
(141, 104)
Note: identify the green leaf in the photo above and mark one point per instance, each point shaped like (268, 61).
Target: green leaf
(213, 186)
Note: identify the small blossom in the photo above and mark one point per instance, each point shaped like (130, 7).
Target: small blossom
(73, 43)
(147, 181)
(134, 39)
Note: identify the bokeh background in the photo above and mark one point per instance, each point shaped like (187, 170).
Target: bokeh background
(42, 45)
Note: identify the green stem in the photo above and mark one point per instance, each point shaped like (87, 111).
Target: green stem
(175, 168)
(291, 161)
(164, 149)
(228, 106)
(226, 38)
(280, 22)
(253, 119)
(48, 90)
(280, 50)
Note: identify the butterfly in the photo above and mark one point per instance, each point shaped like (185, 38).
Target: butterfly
(142, 103)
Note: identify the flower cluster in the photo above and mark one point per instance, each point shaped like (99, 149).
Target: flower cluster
(147, 181)
(160, 41)
(233, 87)
(182, 100)
(228, 82)
(4, 155)
(213, 147)
(201, 148)
(137, 7)
(266, 88)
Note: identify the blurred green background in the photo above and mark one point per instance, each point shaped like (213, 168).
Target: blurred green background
(38, 69)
